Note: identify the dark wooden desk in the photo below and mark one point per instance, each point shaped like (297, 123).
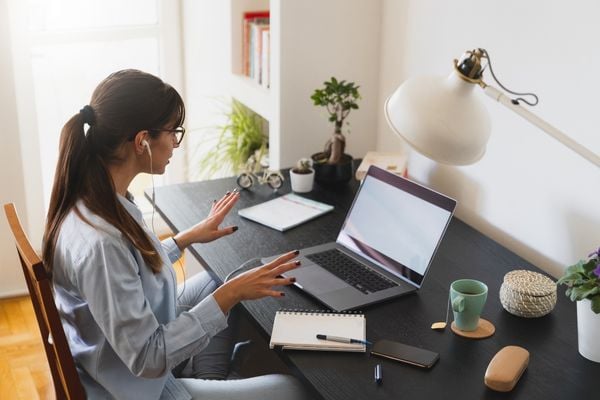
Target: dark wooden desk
(556, 370)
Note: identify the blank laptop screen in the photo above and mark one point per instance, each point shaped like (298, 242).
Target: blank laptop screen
(396, 224)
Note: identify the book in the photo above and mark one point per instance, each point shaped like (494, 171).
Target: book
(298, 330)
(285, 212)
(390, 161)
(257, 50)
(249, 18)
(265, 79)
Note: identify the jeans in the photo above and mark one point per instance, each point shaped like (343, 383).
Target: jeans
(204, 374)
(213, 361)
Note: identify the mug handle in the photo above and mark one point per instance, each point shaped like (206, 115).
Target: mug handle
(458, 304)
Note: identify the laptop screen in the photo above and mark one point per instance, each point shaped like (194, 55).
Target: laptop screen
(396, 224)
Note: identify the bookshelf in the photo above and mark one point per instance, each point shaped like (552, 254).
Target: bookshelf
(252, 95)
(310, 41)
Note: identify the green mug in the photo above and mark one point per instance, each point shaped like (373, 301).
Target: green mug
(467, 297)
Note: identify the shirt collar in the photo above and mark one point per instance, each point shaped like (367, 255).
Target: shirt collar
(130, 206)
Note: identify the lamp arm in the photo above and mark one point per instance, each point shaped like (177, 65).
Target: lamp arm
(543, 125)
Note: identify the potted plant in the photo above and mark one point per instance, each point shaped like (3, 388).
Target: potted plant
(333, 166)
(302, 176)
(583, 286)
(231, 144)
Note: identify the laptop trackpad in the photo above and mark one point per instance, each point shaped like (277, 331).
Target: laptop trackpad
(312, 278)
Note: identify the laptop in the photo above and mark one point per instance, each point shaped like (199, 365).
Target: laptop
(384, 248)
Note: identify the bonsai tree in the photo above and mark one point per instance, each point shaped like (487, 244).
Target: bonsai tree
(339, 98)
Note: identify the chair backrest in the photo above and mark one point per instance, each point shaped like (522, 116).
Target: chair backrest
(62, 366)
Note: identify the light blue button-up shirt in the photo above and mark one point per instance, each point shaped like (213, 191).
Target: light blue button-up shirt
(120, 318)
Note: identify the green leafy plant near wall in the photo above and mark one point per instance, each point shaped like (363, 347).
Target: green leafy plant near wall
(583, 280)
(241, 136)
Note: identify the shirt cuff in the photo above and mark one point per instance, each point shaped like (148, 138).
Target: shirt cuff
(210, 315)
(171, 249)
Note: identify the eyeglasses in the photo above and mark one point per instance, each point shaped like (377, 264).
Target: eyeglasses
(177, 133)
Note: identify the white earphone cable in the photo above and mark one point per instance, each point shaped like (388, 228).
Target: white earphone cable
(181, 266)
(152, 223)
(153, 194)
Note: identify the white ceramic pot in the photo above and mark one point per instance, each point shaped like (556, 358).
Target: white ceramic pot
(588, 331)
(302, 183)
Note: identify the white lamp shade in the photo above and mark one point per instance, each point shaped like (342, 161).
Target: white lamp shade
(441, 118)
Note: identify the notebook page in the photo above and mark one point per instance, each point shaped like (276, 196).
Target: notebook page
(298, 330)
(285, 212)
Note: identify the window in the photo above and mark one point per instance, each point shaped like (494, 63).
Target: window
(71, 45)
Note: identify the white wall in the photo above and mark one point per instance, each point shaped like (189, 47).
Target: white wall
(207, 65)
(11, 171)
(313, 49)
(529, 193)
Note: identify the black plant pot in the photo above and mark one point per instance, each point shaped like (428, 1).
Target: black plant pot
(333, 175)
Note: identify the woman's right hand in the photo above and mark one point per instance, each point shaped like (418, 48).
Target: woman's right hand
(257, 282)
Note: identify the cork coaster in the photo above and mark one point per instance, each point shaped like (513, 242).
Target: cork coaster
(484, 330)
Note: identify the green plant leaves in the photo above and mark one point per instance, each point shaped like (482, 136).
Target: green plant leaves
(582, 283)
(339, 97)
(583, 291)
(235, 141)
(596, 304)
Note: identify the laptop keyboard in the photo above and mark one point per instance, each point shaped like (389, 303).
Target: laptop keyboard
(351, 271)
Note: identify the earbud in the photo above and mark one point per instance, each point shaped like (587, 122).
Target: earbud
(145, 143)
(147, 146)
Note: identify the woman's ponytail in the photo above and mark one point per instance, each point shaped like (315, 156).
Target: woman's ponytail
(68, 177)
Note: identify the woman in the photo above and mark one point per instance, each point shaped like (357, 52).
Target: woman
(114, 282)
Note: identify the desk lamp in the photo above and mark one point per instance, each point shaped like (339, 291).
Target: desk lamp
(442, 118)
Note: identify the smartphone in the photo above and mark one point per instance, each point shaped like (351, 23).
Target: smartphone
(405, 353)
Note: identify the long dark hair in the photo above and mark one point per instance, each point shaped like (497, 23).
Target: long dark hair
(123, 104)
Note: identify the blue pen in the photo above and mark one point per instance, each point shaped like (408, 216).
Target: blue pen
(341, 339)
(378, 374)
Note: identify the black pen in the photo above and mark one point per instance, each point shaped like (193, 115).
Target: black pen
(341, 339)
(378, 374)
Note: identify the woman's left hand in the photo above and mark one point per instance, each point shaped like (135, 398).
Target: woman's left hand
(208, 229)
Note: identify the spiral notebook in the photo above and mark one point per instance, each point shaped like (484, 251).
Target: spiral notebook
(298, 330)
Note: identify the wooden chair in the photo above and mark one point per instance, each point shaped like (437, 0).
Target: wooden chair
(62, 366)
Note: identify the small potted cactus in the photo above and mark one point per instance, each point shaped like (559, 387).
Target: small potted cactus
(302, 176)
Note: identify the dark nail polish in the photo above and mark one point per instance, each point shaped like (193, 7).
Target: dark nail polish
(214, 201)
(282, 294)
(227, 192)
(296, 252)
(297, 262)
(292, 279)
(235, 228)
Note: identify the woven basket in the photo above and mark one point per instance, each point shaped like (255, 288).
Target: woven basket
(527, 294)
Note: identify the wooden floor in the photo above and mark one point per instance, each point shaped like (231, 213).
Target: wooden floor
(24, 372)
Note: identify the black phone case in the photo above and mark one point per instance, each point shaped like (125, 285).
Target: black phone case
(405, 353)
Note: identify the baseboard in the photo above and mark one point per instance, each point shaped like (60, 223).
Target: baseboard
(14, 293)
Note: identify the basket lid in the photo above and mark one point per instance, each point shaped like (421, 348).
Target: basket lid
(530, 283)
